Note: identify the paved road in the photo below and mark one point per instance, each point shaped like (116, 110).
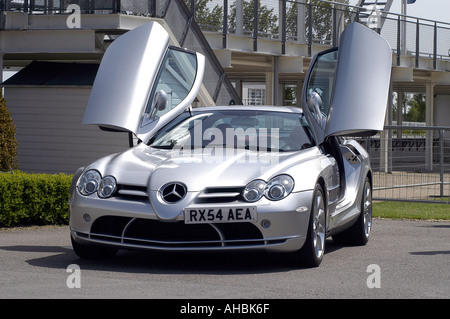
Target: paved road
(413, 259)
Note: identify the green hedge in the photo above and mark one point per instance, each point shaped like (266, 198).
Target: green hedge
(8, 142)
(34, 199)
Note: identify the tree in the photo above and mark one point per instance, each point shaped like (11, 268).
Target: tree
(322, 19)
(204, 16)
(417, 108)
(291, 20)
(413, 109)
(8, 142)
(267, 20)
(395, 105)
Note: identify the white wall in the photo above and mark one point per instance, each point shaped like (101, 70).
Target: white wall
(49, 131)
(442, 110)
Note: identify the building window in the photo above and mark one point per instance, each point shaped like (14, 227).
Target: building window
(290, 94)
(254, 93)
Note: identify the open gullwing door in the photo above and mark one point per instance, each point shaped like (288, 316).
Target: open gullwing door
(346, 88)
(143, 82)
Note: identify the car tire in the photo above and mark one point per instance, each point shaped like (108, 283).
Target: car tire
(92, 252)
(311, 254)
(359, 233)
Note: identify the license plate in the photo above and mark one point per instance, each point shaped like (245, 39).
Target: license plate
(194, 215)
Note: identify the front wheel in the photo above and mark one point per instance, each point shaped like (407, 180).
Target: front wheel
(311, 254)
(359, 233)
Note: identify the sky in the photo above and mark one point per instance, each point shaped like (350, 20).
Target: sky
(438, 10)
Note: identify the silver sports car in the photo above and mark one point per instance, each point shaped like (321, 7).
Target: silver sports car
(234, 177)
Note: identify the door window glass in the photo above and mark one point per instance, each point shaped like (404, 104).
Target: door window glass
(176, 77)
(321, 80)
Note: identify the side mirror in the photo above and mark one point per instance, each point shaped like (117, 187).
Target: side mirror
(314, 105)
(160, 101)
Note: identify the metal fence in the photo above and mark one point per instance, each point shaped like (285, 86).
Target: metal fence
(411, 163)
(321, 22)
(303, 21)
(60, 6)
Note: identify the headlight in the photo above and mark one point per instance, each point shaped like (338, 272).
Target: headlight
(107, 187)
(91, 181)
(277, 188)
(88, 182)
(254, 190)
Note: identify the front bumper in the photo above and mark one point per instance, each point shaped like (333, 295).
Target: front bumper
(134, 224)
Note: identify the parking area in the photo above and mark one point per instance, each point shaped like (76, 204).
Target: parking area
(404, 259)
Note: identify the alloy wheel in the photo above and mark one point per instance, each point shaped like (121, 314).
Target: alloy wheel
(367, 207)
(318, 225)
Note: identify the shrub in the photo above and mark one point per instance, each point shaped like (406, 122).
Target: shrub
(8, 142)
(33, 199)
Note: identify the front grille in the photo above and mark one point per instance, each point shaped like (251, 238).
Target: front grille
(176, 233)
(209, 195)
(220, 195)
(131, 192)
(147, 233)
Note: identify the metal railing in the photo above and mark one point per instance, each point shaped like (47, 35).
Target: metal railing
(60, 6)
(188, 34)
(307, 22)
(289, 21)
(411, 163)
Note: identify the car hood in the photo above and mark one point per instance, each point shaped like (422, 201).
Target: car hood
(197, 169)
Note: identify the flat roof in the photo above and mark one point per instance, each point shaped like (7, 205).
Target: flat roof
(40, 73)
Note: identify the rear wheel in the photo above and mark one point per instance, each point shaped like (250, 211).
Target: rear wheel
(311, 254)
(359, 233)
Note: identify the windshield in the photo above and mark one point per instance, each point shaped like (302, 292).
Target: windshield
(253, 130)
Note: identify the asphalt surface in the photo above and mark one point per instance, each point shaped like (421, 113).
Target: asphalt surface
(405, 259)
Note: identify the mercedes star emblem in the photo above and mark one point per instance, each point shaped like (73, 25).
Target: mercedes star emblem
(173, 192)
